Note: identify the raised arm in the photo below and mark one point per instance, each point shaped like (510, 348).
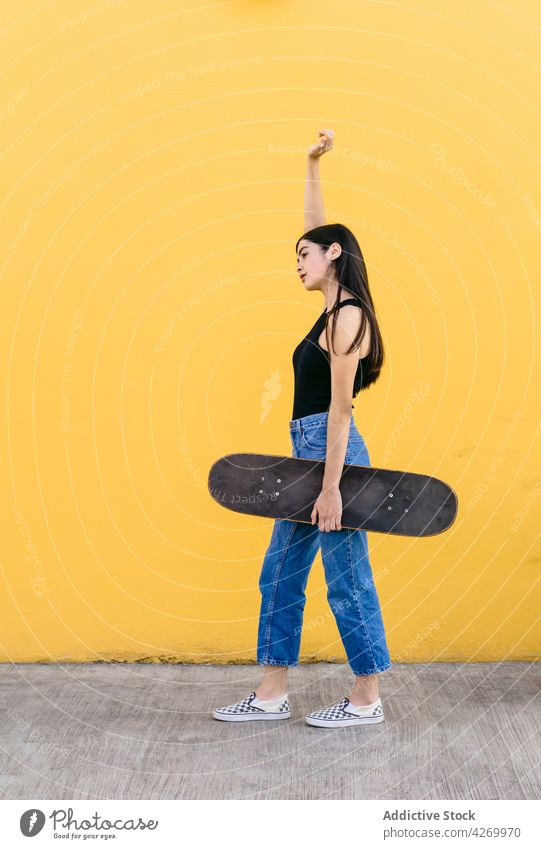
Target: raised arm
(314, 208)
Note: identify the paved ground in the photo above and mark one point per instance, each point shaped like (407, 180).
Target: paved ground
(145, 731)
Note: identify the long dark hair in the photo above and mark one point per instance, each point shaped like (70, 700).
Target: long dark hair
(351, 275)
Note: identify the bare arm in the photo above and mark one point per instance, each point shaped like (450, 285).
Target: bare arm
(328, 507)
(314, 208)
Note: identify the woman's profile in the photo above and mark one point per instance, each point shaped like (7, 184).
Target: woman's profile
(340, 355)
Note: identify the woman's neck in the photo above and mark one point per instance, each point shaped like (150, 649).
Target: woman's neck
(344, 296)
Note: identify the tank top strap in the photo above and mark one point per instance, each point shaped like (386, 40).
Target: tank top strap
(348, 301)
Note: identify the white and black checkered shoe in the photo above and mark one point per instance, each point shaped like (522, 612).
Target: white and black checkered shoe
(245, 710)
(338, 715)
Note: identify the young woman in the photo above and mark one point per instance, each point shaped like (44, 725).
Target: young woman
(341, 354)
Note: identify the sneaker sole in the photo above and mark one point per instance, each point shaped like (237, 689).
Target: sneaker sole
(341, 723)
(246, 717)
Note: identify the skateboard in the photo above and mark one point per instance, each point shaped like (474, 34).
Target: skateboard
(381, 500)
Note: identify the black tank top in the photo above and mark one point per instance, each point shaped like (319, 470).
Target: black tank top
(312, 371)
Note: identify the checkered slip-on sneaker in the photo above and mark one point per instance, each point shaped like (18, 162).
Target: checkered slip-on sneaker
(338, 715)
(245, 710)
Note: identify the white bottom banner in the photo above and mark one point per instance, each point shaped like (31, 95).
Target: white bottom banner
(366, 823)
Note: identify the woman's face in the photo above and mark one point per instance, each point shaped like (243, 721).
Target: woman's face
(313, 264)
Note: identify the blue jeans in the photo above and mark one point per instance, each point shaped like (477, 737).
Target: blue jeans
(351, 591)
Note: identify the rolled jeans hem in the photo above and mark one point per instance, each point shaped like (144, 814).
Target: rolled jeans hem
(278, 662)
(373, 671)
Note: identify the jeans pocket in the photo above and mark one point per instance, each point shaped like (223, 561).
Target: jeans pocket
(315, 437)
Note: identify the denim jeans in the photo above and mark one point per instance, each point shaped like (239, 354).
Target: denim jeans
(351, 591)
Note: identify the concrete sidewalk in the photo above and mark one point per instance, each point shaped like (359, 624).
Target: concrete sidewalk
(145, 731)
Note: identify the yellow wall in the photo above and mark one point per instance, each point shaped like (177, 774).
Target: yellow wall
(150, 307)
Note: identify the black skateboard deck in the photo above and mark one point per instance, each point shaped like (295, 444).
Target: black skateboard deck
(381, 500)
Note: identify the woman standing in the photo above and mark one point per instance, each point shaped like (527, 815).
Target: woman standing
(341, 354)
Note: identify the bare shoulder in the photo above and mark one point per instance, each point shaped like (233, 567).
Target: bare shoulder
(348, 324)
